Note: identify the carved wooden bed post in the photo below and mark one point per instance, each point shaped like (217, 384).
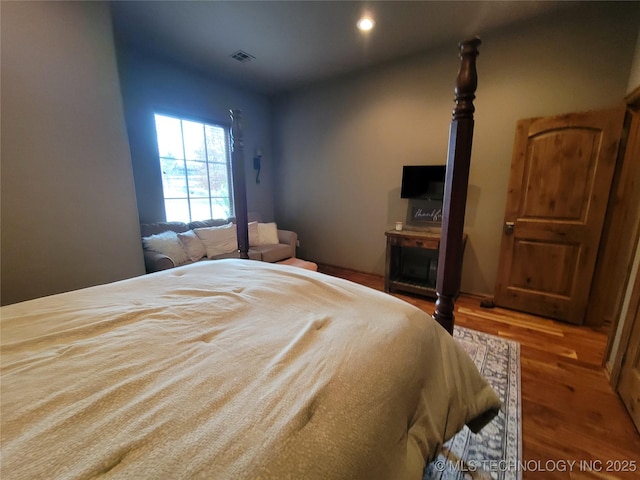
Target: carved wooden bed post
(456, 183)
(239, 185)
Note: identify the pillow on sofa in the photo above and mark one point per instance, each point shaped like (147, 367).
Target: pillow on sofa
(168, 244)
(218, 240)
(268, 234)
(254, 237)
(193, 245)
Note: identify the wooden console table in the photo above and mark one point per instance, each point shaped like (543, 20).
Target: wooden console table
(412, 261)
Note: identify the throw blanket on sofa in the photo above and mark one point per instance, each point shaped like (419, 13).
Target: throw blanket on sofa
(230, 369)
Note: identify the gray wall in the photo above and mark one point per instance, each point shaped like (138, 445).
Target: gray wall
(151, 84)
(341, 144)
(69, 217)
(69, 209)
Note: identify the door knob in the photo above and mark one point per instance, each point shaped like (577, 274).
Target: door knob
(508, 227)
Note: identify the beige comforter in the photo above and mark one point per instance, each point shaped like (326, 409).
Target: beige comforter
(229, 370)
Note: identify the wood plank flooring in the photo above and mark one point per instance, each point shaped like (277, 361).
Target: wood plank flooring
(569, 410)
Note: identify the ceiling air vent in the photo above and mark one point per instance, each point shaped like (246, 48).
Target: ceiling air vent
(242, 56)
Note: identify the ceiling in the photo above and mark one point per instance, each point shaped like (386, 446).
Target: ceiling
(295, 43)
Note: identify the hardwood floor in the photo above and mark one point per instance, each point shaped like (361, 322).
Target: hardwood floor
(569, 410)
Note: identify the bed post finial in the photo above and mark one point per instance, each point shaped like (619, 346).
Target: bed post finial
(456, 184)
(239, 184)
(467, 80)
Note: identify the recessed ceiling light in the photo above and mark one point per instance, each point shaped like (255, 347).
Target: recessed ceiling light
(365, 24)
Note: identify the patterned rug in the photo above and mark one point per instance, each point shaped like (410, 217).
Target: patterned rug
(495, 452)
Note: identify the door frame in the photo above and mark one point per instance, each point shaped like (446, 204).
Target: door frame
(622, 327)
(626, 325)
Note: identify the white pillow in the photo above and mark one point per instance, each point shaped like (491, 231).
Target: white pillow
(254, 237)
(193, 245)
(268, 233)
(168, 244)
(219, 240)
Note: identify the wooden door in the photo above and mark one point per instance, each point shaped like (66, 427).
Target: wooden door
(561, 174)
(629, 384)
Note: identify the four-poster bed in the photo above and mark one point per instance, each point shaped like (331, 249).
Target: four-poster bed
(239, 183)
(456, 184)
(231, 369)
(455, 192)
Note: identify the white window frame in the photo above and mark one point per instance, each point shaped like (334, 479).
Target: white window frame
(179, 189)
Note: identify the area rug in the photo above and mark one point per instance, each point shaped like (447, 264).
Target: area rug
(496, 451)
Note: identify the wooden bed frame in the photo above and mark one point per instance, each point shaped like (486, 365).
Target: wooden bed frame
(455, 189)
(455, 192)
(239, 184)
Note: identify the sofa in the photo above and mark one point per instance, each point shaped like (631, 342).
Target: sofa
(170, 244)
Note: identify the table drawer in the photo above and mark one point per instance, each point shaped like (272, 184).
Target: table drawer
(430, 243)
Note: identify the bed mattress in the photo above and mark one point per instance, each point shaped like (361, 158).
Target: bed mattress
(230, 369)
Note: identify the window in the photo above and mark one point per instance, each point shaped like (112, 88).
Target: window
(196, 169)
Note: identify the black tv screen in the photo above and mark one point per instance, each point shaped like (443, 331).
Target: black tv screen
(423, 181)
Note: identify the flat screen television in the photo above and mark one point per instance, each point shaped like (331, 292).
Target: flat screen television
(423, 181)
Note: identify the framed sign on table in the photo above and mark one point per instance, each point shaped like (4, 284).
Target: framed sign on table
(425, 212)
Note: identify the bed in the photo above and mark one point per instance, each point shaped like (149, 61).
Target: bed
(232, 369)
(455, 189)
